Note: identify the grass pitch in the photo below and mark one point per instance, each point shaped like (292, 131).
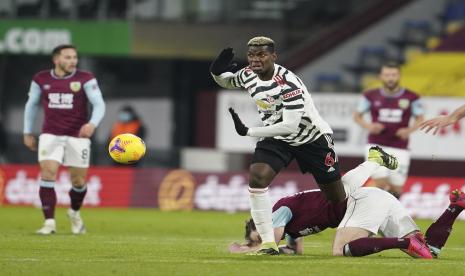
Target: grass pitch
(150, 242)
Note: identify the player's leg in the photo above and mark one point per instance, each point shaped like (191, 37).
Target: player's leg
(355, 178)
(50, 153)
(399, 225)
(397, 178)
(380, 176)
(367, 211)
(47, 195)
(320, 159)
(77, 155)
(269, 158)
(438, 233)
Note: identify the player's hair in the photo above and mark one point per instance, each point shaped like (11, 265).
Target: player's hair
(390, 64)
(249, 227)
(262, 41)
(57, 50)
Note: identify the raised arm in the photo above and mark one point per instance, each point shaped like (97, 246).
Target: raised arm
(221, 69)
(439, 122)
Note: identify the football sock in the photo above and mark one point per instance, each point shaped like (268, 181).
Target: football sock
(367, 246)
(77, 197)
(438, 233)
(355, 178)
(260, 209)
(48, 198)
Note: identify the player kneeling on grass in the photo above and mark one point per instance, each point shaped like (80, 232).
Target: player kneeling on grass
(366, 212)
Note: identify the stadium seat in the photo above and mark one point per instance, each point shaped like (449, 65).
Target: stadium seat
(328, 82)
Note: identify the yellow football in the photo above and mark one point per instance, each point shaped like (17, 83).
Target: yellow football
(126, 148)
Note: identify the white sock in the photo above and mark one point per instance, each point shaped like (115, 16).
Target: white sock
(355, 178)
(260, 209)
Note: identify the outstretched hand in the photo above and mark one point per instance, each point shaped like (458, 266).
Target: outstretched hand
(222, 62)
(241, 129)
(436, 124)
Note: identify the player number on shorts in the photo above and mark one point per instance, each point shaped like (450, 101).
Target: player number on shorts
(85, 154)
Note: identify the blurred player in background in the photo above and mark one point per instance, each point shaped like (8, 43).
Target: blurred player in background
(293, 128)
(366, 212)
(64, 93)
(439, 122)
(391, 108)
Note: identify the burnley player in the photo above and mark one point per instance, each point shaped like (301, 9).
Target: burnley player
(367, 212)
(64, 93)
(391, 107)
(292, 129)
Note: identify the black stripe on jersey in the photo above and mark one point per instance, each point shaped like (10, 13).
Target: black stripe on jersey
(279, 120)
(252, 86)
(234, 82)
(279, 107)
(296, 106)
(266, 116)
(302, 128)
(295, 98)
(279, 70)
(308, 134)
(249, 80)
(246, 73)
(300, 81)
(307, 119)
(263, 88)
(241, 78)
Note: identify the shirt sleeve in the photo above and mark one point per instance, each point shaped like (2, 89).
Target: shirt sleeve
(363, 105)
(230, 80)
(32, 105)
(417, 108)
(281, 216)
(94, 95)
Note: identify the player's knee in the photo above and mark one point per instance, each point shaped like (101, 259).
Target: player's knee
(259, 179)
(77, 181)
(48, 174)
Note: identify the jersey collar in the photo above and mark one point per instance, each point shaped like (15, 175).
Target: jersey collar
(52, 72)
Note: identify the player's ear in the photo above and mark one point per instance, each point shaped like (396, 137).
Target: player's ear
(274, 56)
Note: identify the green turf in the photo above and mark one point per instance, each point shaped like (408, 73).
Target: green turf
(150, 242)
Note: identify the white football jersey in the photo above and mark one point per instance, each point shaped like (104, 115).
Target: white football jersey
(284, 91)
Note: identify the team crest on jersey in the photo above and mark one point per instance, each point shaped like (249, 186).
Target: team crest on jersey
(75, 86)
(404, 103)
(263, 104)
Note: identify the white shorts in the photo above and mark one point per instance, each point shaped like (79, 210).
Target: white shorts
(396, 177)
(66, 150)
(376, 211)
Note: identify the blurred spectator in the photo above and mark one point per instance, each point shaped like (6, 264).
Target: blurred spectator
(128, 122)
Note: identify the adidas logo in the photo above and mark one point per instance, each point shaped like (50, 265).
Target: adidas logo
(331, 169)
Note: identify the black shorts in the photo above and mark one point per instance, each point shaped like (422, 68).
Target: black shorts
(317, 157)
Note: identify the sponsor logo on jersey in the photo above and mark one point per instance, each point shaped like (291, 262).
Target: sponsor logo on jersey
(46, 86)
(404, 103)
(292, 94)
(75, 86)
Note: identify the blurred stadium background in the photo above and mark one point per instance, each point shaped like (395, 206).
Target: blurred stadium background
(154, 55)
